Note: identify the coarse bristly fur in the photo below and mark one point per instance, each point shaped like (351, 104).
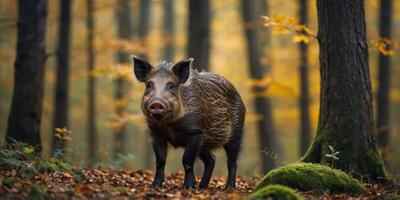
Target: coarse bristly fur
(212, 100)
(201, 111)
(217, 102)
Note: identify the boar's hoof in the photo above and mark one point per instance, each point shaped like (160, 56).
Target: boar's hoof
(189, 181)
(188, 186)
(156, 184)
(230, 186)
(203, 186)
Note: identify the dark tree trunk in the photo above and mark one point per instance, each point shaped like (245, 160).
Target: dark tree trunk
(383, 102)
(305, 124)
(61, 93)
(124, 32)
(144, 20)
(345, 118)
(199, 33)
(92, 131)
(169, 30)
(262, 105)
(27, 101)
(144, 26)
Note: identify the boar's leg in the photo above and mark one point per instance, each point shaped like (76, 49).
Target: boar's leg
(191, 151)
(209, 161)
(232, 149)
(160, 150)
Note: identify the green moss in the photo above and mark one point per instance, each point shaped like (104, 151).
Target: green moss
(275, 192)
(23, 159)
(373, 163)
(356, 158)
(37, 193)
(9, 159)
(9, 181)
(312, 177)
(392, 196)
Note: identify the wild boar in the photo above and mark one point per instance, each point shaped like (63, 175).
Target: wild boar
(199, 111)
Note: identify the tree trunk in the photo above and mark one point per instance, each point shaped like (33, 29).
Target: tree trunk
(61, 93)
(27, 101)
(305, 124)
(124, 32)
(144, 26)
(262, 104)
(169, 31)
(199, 33)
(383, 104)
(92, 131)
(345, 118)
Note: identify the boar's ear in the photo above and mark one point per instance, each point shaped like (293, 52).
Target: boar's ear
(182, 69)
(141, 68)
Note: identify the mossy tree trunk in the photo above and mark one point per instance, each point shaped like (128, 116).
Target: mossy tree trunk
(345, 118)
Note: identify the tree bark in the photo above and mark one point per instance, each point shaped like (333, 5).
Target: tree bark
(144, 26)
(27, 100)
(262, 104)
(346, 117)
(383, 97)
(169, 30)
(92, 131)
(61, 93)
(199, 33)
(124, 19)
(304, 102)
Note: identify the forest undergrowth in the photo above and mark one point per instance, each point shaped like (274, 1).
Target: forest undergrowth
(24, 175)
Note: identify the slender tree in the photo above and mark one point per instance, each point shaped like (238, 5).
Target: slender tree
(124, 19)
(199, 33)
(383, 102)
(266, 62)
(61, 93)
(27, 100)
(304, 102)
(168, 29)
(262, 104)
(345, 118)
(91, 126)
(144, 27)
(144, 21)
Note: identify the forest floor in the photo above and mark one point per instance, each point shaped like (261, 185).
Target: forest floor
(24, 175)
(112, 184)
(92, 183)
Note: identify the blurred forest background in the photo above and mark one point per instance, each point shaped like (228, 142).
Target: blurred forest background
(158, 30)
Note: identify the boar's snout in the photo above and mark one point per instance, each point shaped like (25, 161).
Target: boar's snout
(157, 109)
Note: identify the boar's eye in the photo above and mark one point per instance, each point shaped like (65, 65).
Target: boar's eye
(150, 85)
(170, 86)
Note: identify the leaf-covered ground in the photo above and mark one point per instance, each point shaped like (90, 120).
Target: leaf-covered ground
(106, 184)
(93, 183)
(24, 175)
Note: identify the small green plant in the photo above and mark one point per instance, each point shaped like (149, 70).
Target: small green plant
(121, 160)
(274, 156)
(25, 161)
(332, 155)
